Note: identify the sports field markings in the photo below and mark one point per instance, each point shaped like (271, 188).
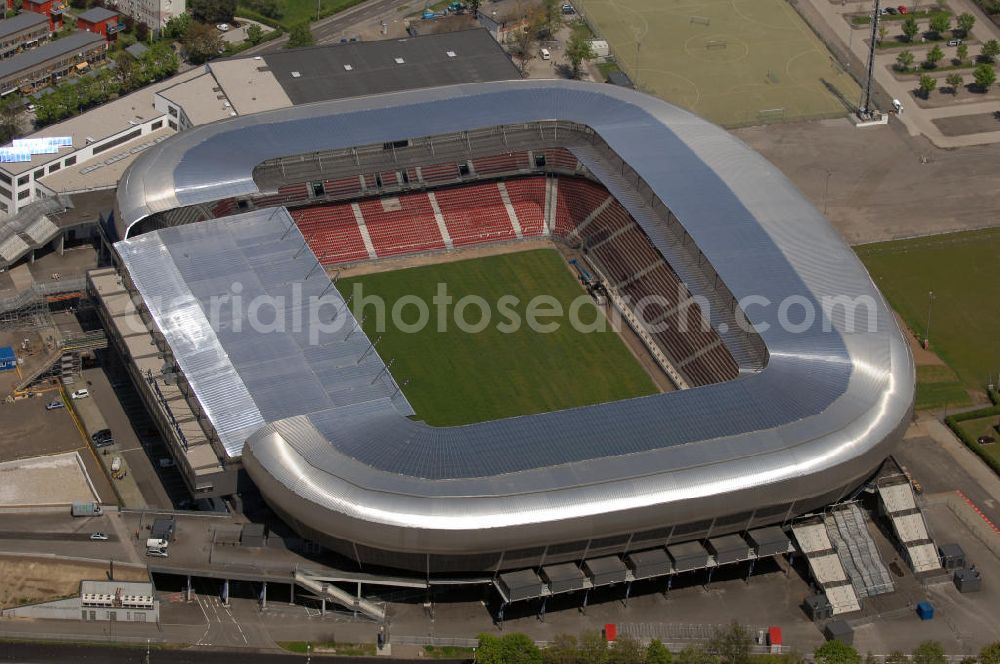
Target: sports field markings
(736, 10)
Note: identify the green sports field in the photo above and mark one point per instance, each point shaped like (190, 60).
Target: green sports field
(735, 62)
(458, 377)
(961, 269)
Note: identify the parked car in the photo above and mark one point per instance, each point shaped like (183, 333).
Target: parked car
(80, 394)
(223, 27)
(167, 463)
(891, 10)
(99, 537)
(954, 42)
(53, 405)
(902, 9)
(568, 9)
(102, 438)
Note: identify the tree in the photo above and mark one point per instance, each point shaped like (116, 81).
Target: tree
(593, 648)
(927, 85)
(990, 654)
(896, 657)
(255, 34)
(904, 60)
(657, 653)
(695, 655)
(626, 650)
(562, 650)
(212, 11)
(141, 31)
(473, 5)
(520, 42)
(939, 23)
(201, 42)
(177, 26)
(990, 51)
(8, 119)
(934, 56)
(910, 27)
(836, 652)
(962, 53)
(984, 76)
(732, 644)
(882, 31)
(300, 35)
(964, 23)
(512, 648)
(266, 8)
(578, 49)
(954, 82)
(929, 652)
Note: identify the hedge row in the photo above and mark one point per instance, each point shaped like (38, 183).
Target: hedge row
(954, 422)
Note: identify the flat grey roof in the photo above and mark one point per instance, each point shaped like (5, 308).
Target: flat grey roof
(54, 49)
(21, 22)
(426, 63)
(96, 14)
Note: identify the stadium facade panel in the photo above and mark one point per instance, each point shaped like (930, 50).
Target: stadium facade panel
(803, 429)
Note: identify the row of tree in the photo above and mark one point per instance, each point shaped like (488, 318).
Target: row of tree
(983, 76)
(131, 73)
(730, 645)
(937, 25)
(987, 55)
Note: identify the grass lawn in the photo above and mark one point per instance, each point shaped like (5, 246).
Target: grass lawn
(984, 426)
(342, 649)
(736, 63)
(961, 270)
(938, 387)
(449, 652)
(297, 11)
(458, 377)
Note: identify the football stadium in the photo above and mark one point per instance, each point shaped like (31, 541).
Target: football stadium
(755, 373)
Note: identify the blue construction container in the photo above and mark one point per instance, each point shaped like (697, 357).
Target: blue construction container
(8, 360)
(925, 610)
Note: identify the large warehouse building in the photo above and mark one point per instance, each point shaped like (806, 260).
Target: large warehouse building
(766, 423)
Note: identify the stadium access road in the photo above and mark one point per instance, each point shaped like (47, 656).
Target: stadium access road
(331, 29)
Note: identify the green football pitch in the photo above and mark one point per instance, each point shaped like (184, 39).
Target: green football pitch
(960, 269)
(455, 376)
(734, 62)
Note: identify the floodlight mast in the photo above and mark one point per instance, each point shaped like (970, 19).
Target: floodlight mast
(866, 100)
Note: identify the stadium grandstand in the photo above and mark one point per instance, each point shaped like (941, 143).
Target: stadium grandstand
(767, 423)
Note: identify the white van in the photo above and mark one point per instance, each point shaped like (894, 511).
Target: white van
(545, 54)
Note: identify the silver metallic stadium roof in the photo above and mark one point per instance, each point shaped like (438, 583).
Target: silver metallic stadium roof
(818, 415)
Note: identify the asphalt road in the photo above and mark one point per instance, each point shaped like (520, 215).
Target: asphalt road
(45, 653)
(50, 537)
(333, 28)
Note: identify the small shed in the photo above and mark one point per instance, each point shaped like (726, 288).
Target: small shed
(8, 359)
(952, 556)
(839, 630)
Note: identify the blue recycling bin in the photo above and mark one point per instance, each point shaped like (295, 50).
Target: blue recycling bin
(925, 610)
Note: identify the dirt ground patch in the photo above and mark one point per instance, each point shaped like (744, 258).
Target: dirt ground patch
(878, 183)
(438, 257)
(968, 124)
(34, 580)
